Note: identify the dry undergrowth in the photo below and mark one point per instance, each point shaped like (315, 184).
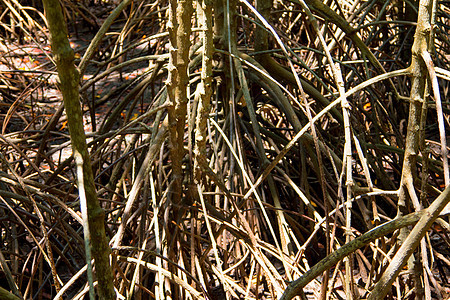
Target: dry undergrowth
(228, 238)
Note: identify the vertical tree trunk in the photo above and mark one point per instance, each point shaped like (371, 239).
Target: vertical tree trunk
(179, 27)
(419, 73)
(408, 198)
(68, 76)
(205, 18)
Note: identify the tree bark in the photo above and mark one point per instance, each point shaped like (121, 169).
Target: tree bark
(68, 76)
(179, 27)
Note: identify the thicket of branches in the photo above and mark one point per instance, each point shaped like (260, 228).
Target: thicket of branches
(238, 149)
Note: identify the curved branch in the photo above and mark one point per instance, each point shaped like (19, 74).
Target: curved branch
(296, 286)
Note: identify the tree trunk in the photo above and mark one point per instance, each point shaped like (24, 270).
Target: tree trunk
(69, 76)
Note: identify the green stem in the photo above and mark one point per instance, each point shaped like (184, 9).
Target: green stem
(68, 76)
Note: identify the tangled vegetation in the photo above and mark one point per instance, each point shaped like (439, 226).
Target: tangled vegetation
(224, 149)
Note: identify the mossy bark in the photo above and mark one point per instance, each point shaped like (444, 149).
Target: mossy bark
(68, 76)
